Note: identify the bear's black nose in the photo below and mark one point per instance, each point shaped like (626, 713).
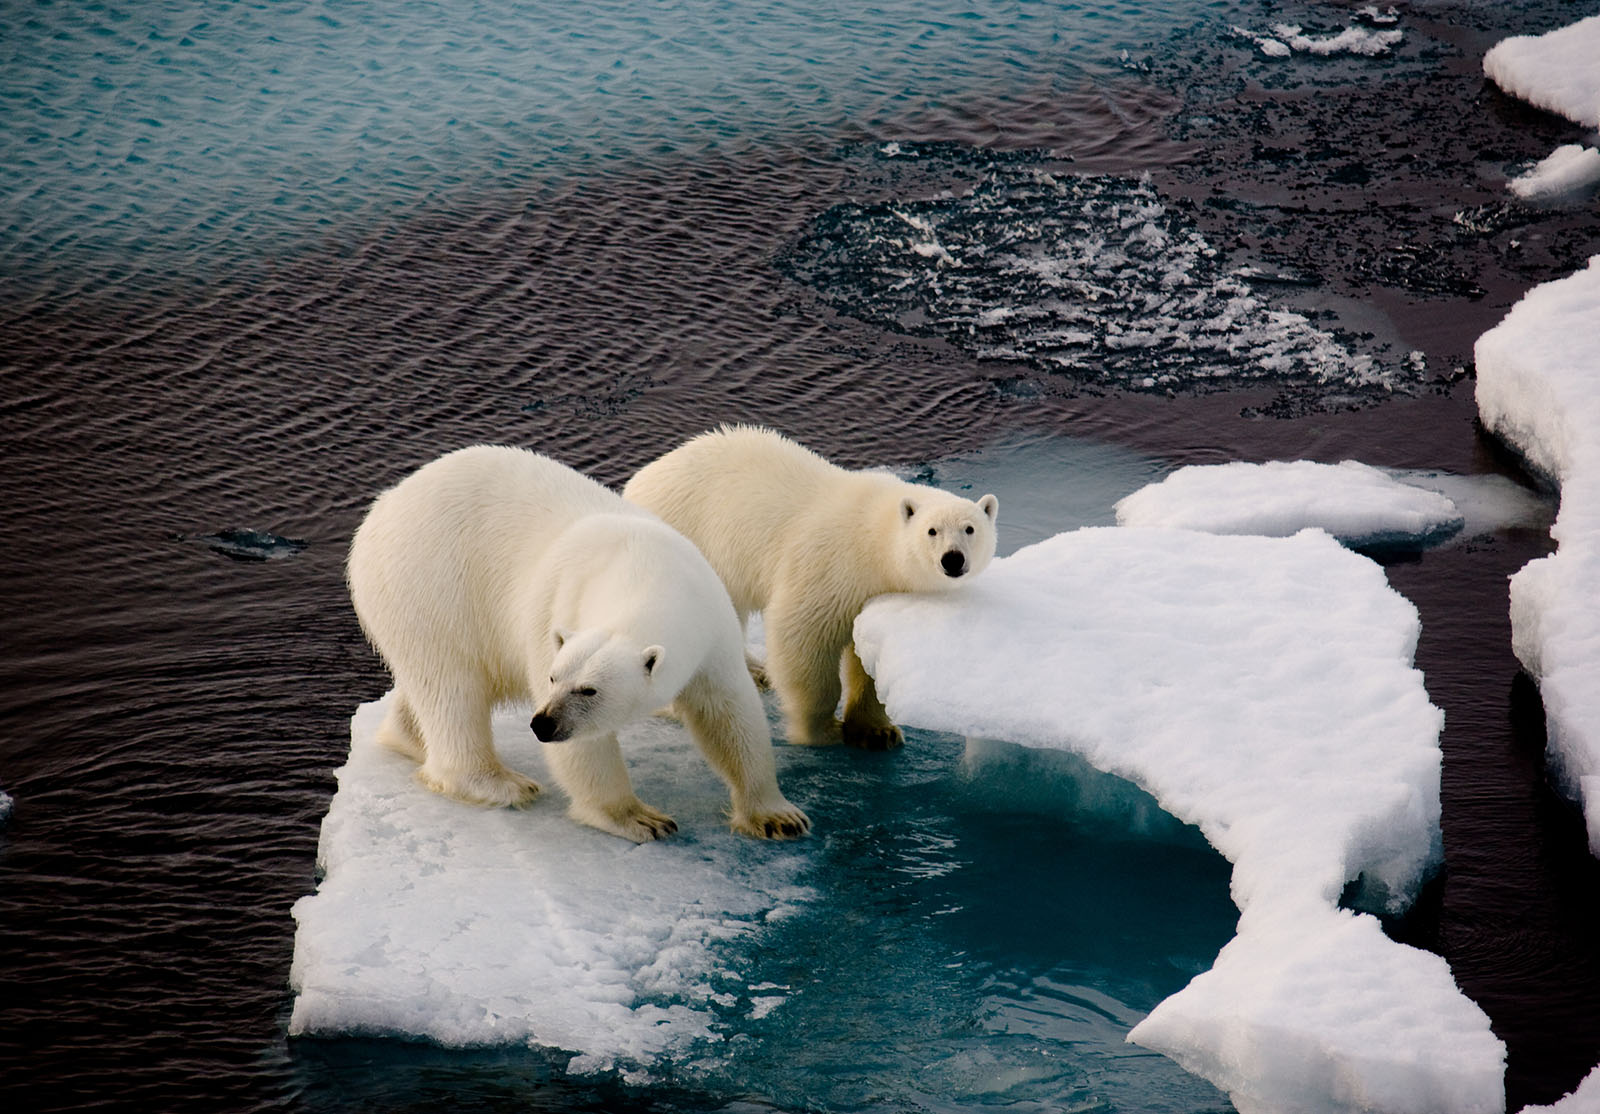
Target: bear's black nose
(544, 727)
(954, 563)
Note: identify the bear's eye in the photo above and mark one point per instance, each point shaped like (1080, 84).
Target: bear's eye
(588, 690)
(932, 532)
(969, 529)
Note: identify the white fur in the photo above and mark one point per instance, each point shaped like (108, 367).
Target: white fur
(493, 575)
(808, 544)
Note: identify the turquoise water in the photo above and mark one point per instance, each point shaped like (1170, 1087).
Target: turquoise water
(183, 133)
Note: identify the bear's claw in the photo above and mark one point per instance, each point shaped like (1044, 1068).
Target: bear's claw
(790, 823)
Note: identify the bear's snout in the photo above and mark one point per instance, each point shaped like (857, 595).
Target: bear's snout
(546, 728)
(954, 562)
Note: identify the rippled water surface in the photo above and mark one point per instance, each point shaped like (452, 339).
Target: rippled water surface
(259, 260)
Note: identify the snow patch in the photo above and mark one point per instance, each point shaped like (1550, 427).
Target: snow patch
(1287, 39)
(1212, 672)
(1584, 1100)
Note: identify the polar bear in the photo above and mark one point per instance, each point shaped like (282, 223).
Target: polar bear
(495, 574)
(808, 543)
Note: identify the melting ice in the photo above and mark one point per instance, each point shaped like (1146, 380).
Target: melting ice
(1098, 278)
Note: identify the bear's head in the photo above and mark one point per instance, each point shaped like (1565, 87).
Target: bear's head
(599, 683)
(944, 540)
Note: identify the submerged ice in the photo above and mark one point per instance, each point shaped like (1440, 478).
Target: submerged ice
(1094, 277)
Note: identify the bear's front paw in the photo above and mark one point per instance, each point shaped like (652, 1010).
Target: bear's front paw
(873, 736)
(488, 788)
(785, 822)
(642, 824)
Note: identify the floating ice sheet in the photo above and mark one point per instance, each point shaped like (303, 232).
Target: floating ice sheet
(1555, 71)
(1566, 170)
(566, 937)
(1356, 503)
(1263, 690)
(1539, 389)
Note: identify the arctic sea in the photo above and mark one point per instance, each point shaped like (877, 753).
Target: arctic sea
(258, 260)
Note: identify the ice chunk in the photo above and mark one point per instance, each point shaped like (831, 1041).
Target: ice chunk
(1584, 1100)
(566, 937)
(1539, 389)
(1565, 170)
(1263, 690)
(1290, 38)
(1555, 71)
(1356, 503)
(6, 804)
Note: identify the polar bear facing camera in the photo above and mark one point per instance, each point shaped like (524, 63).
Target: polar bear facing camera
(495, 574)
(808, 543)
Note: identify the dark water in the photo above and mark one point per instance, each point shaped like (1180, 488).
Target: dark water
(172, 716)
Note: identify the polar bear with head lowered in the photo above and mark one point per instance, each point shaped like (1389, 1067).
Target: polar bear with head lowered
(495, 574)
(808, 543)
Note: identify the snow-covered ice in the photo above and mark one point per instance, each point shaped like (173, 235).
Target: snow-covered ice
(1556, 71)
(1566, 170)
(1213, 672)
(1584, 1100)
(1356, 503)
(1539, 390)
(472, 926)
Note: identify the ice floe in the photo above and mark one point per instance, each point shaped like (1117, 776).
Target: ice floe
(1566, 170)
(1556, 71)
(1356, 503)
(471, 926)
(1213, 672)
(1584, 1100)
(1539, 390)
(6, 804)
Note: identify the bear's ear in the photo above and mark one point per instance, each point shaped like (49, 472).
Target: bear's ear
(907, 509)
(990, 506)
(559, 636)
(652, 658)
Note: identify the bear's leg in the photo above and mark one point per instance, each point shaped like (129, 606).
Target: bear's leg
(399, 732)
(866, 721)
(592, 774)
(459, 759)
(803, 658)
(754, 665)
(730, 727)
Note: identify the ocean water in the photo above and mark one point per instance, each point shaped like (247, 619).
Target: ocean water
(259, 260)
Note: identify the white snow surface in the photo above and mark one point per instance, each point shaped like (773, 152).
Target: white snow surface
(1557, 71)
(472, 926)
(1263, 690)
(1584, 1100)
(1539, 389)
(1356, 503)
(1565, 170)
